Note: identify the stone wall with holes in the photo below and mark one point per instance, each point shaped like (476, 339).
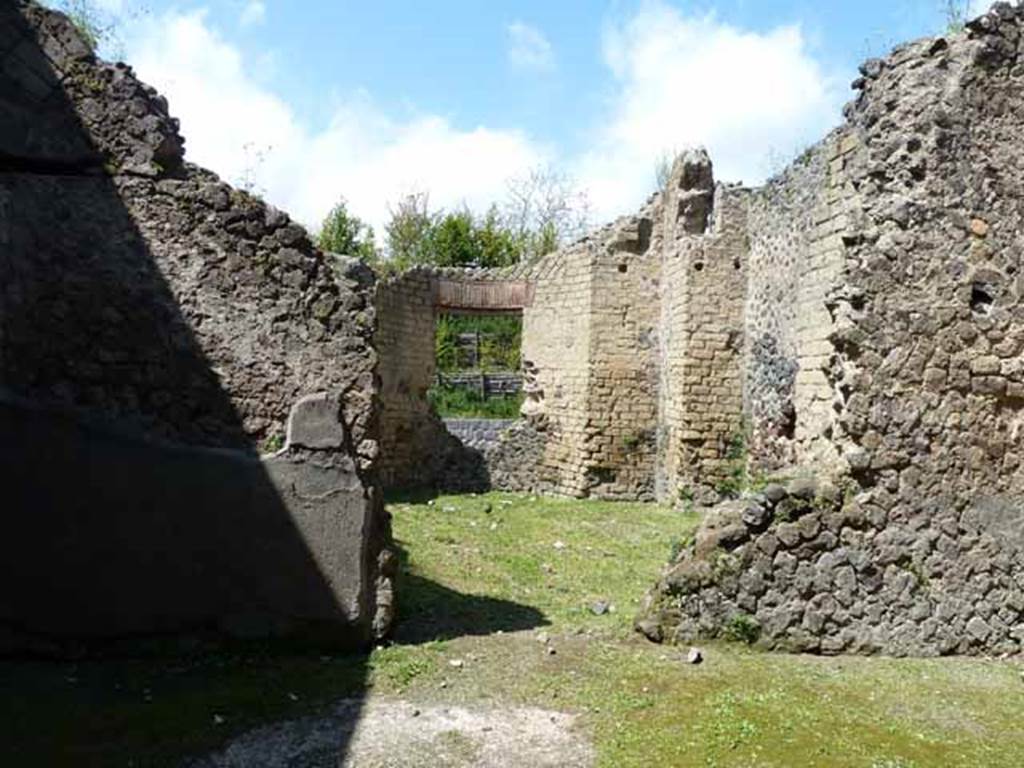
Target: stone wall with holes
(159, 331)
(797, 225)
(909, 537)
(479, 434)
(191, 288)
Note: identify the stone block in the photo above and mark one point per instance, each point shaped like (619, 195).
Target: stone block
(315, 423)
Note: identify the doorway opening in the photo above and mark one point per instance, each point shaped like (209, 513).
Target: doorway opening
(479, 365)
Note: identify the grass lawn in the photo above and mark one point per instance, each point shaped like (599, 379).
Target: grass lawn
(497, 601)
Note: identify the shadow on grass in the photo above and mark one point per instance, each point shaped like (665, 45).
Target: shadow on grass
(161, 709)
(430, 611)
(410, 496)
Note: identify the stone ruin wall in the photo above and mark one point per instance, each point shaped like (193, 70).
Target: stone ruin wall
(589, 353)
(160, 330)
(556, 357)
(797, 252)
(909, 539)
(856, 320)
(412, 438)
(622, 407)
(703, 282)
(632, 356)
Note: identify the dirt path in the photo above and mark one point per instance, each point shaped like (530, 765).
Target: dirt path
(395, 733)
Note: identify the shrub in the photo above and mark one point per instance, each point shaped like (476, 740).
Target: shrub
(742, 628)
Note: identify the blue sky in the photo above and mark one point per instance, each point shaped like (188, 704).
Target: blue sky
(308, 101)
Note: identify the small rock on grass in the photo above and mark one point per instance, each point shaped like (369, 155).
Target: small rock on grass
(694, 656)
(599, 608)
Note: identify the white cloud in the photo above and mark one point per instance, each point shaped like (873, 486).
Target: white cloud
(528, 48)
(253, 14)
(677, 81)
(239, 129)
(692, 80)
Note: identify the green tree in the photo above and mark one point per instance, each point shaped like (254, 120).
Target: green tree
(496, 245)
(452, 241)
(542, 212)
(417, 235)
(545, 210)
(347, 234)
(408, 232)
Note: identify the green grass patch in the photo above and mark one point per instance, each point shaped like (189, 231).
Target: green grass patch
(462, 403)
(490, 585)
(641, 702)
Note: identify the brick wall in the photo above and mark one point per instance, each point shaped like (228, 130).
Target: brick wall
(796, 260)
(410, 433)
(556, 360)
(703, 288)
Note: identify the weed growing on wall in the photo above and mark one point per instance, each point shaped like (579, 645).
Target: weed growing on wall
(95, 25)
(957, 13)
(737, 476)
(742, 628)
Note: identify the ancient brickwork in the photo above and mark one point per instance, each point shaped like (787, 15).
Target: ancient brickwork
(797, 222)
(912, 540)
(411, 434)
(632, 353)
(556, 362)
(621, 444)
(479, 434)
(149, 312)
(702, 306)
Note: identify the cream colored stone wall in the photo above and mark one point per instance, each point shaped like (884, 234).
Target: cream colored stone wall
(556, 359)
(660, 351)
(404, 338)
(621, 430)
(703, 291)
(797, 252)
